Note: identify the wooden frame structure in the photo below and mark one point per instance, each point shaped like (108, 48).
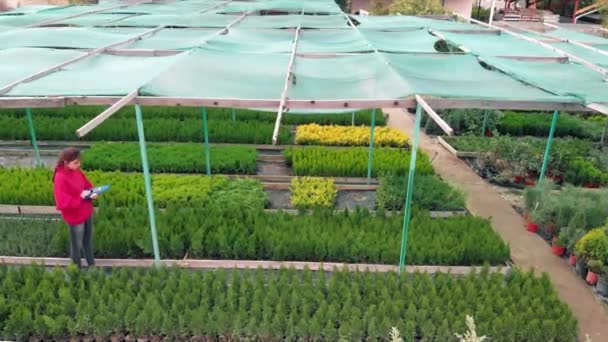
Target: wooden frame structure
(420, 102)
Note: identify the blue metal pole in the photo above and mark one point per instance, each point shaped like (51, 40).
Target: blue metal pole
(30, 125)
(206, 136)
(410, 189)
(147, 182)
(543, 170)
(371, 147)
(233, 115)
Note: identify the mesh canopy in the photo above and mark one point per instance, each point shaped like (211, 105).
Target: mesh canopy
(577, 36)
(328, 41)
(419, 41)
(178, 39)
(498, 45)
(249, 60)
(293, 21)
(566, 79)
(402, 21)
(461, 76)
(254, 41)
(213, 74)
(100, 75)
(94, 19)
(30, 62)
(63, 37)
(29, 9)
(364, 76)
(586, 54)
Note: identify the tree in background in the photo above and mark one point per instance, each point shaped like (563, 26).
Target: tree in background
(417, 7)
(379, 7)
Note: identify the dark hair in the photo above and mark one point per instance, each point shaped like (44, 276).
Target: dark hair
(66, 156)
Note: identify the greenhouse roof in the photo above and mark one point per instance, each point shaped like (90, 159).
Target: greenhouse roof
(283, 54)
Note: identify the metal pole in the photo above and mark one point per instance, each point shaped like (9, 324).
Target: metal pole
(543, 170)
(233, 115)
(491, 19)
(206, 136)
(371, 147)
(147, 182)
(485, 123)
(410, 189)
(30, 125)
(353, 119)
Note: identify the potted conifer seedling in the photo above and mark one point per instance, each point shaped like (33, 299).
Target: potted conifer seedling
(602, 284)
(595, 268)
(592, 246)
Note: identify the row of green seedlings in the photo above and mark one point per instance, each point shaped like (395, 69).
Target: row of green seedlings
(34, 187)
(179, 124)
(217, 232)
(471, 122)
(305, 161)
(285, 305)
(509, 160)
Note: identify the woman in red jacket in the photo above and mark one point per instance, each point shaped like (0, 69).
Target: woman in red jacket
(70, 187)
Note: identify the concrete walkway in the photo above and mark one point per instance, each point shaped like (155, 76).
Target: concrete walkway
(528, 250)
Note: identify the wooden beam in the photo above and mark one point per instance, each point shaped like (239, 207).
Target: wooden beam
(59, 66)
(586, 63)
(601, 108)
(437, 103)
(99, 119)
(438, 120)
(277, 124)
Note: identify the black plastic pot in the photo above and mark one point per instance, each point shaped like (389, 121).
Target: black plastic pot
(602, 286)
(581, 268)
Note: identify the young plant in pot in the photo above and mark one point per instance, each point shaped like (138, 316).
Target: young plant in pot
(569, 236)
(592, 246)
(534, 200)
(558, 244)
(595, 269)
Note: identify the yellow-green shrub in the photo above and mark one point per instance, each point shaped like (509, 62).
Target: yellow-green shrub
(312, 192)
(314, 134)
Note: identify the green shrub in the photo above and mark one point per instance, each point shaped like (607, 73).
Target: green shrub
(593, 245)
(180, 124)
(312, 192)
(539, 125)
(221, 233)
(417, 7)
(183, 305)
(34, 187)
(352, 162)
(172, 158)
(430, 193)
(581, 172)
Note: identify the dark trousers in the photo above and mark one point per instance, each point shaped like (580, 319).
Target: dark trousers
(81, 238)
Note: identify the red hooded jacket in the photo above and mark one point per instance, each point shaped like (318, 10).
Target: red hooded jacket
(67, 186)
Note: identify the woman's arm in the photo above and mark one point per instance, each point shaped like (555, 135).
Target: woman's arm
(63, 200)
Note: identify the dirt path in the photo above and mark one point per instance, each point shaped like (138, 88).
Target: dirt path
(528, 250)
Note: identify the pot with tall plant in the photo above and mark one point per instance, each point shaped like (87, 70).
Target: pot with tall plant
(602, 284)
(534, 201)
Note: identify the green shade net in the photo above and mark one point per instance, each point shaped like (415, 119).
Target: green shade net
(254, 41)
(175, 20)
(565, 79)
(178, 39)
(461, 76)
(497, 45)
(289, 6)
(331, 41)
(363, 76)
(93, 19)
(292, 21)
(64, 37)
(586, 54)
(174, 7)
(18, 63)
(577, 36)
(419, 41)
(213, 74)
(405, 22)
(99, 75)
